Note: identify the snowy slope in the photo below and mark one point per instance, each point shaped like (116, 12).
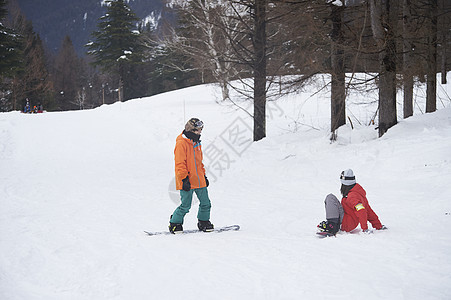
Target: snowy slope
(77, 189)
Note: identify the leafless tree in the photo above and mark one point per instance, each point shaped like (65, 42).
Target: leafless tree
(431, 91)
(338, 93)
(204, 35)
(81, 99)
(384, 18)
(444, 25)
(408, 46)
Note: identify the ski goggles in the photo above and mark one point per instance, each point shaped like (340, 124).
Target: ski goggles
(343, 177)
(198, 124)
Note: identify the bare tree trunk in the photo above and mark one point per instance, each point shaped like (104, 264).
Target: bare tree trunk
(443, 29)
(224, 89)
(383, 21)
(431, 93)
(408, 96)
(443, 63)
(120, 92)
(338, 115)
(407, 59)
(260, 70)
(14, 85)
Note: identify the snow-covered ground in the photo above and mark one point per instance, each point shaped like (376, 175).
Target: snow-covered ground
(77, 189)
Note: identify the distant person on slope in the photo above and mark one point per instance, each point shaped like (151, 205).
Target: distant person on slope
(27, 108)
(190, 177)
(354, 208)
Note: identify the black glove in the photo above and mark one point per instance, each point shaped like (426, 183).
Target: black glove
(206, 181)
(186, 185)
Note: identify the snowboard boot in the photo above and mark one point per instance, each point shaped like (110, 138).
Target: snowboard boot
(205, 226)
(322, 226)
(382, 228)
(328, 226)
(332, 227)
(175, 228)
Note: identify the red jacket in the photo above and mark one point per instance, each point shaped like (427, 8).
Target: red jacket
(358, 210)
(188, 162)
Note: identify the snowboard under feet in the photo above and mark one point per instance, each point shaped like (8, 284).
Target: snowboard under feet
(323, 234)
(217, 230)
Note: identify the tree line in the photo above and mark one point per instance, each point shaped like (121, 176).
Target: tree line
(259, 44)
(66, 81)
(398, 43)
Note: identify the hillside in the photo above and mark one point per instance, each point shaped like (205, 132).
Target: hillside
(78, 189)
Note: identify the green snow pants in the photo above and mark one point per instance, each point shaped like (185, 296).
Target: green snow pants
(187, 197)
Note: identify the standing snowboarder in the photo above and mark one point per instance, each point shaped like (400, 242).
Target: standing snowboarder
(190, 177)
(353, 210)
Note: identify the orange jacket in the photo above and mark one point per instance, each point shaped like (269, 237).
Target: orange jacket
(358, 210)
(188, 162)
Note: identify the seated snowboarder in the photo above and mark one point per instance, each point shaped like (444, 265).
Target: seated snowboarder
(354, 209)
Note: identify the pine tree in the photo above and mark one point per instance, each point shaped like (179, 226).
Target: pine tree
(10, 45)
(11, 61)
(117, 46)
(30, 79)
